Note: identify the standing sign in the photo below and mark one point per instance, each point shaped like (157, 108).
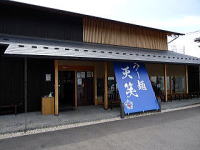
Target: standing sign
(135, 88)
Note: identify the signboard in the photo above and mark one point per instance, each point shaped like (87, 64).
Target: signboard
(48, 77)
(135, 88)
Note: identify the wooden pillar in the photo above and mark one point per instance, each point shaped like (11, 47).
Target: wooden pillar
(170, 86)
(75, 96)
(95, 87)
(186, 79)
(105, 85)
(56, 87)
(165, 81)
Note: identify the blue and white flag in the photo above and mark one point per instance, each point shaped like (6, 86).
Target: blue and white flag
(135, 88)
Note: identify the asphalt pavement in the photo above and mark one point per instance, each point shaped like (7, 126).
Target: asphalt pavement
(178, 130)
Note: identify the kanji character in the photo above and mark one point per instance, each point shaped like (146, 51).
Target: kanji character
(130, 91)
(126, 72)
(136, 66)
(141, 85)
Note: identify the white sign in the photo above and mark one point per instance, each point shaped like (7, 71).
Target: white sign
(48, 77)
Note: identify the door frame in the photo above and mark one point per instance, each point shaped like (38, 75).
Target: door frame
(73, 100)
(76, 68)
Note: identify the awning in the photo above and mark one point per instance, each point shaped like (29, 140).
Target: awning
(70, 49)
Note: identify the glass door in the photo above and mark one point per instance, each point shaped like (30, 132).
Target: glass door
(66, 90)
(84, 88)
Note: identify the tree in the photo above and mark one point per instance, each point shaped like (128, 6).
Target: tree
(197, 40)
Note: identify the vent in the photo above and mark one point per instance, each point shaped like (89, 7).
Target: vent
(20, 45)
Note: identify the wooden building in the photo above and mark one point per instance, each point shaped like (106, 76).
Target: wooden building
(71, 55)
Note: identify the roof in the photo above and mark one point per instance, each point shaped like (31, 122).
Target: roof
(57, 11)
(30, 47)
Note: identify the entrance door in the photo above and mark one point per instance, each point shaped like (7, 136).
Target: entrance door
(66, 90)
(84, 88)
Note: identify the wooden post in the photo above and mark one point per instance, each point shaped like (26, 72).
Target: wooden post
(186, 79)
(95, 87)
(170, 82)
(56, 87)
(105, 85)
(75, 96)
(165, 81)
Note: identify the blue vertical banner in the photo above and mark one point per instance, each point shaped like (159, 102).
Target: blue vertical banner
(135, 88)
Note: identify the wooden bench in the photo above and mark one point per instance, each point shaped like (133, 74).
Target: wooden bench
(114, 100)
(176, 96)
(194, 94)
(10, 108)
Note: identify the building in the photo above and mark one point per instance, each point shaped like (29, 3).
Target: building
(71, 55)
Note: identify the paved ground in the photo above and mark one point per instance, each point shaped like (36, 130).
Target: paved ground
(178, 130)
(179, 103)
(34, 120)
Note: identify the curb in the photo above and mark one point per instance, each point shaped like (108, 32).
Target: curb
(49, 129)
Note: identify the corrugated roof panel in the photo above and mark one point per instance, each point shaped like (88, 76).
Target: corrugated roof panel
(69, 49)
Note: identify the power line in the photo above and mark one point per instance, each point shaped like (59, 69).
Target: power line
(197, 31)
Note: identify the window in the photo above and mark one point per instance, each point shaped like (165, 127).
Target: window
(179, 84)
(157, 84)
(113, 93)
(176, 84)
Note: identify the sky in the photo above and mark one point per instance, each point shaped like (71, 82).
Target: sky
(174, 15)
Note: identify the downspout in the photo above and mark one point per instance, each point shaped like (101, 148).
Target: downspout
(25, 91)
(199, 79)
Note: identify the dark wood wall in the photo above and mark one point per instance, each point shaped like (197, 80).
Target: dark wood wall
(37, 86)
(25, 20)
(12, 81)
(193, 78)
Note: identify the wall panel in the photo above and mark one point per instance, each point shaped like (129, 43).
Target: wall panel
(107, 32)
(30, 21)
(37, 86)
(11, 80)
(194, 78)
(155, 69)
